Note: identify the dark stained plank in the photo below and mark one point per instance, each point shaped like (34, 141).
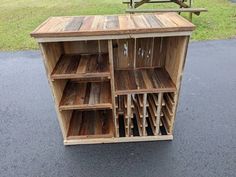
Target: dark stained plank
(74, 24)
(74, 63)
(81, 66)
(70, 94)
(131, 80)
(111, 22)
(139, 80)
(75, 123)
(164, 78)
(95, 95)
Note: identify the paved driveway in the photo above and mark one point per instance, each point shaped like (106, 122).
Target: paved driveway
(204, 140)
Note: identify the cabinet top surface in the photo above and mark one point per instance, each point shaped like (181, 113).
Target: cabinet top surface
(70, 26)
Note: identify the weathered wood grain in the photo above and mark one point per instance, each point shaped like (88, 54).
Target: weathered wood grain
(146, 81)
(95, 95)
(81, 66)
(112, 25)
(90, 124)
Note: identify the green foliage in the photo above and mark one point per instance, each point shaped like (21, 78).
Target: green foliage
(19, 18)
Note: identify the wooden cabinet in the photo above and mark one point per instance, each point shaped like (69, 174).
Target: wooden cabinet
(115, 78)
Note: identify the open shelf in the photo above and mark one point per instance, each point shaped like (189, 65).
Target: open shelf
(91, 124)
(86, 95)
(143, 81)
(81, 66)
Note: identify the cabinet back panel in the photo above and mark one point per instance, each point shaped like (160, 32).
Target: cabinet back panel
(86, 47)
(144, 52)
(123, 53)
(159, 51)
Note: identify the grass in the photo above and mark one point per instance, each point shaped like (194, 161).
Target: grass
(19, 18)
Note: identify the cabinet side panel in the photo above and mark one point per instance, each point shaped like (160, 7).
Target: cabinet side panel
(175, 53)
(51, 52)
(174, 64)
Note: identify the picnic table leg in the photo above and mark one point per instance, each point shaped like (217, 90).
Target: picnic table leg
(190, 13)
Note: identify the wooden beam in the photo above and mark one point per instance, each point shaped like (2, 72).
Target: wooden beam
(183, 5)
(150, 1)
(140, 3)
(194, 10)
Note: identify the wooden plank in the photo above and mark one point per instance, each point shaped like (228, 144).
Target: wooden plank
(159, 107)
(144, 113)
(125, 54)
(74, 24)
(195, 10)
(112, 84)
(144, 52)
(129, 112)
(111, 22)
(150, 1)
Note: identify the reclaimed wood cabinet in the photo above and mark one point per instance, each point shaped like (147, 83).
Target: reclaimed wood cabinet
(115, 78)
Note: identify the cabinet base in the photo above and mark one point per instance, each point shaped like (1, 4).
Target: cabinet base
(117, 140)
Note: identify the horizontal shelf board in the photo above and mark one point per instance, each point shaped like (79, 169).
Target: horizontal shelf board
(81, 66)
(86, 95)
(91, 124)
(143, 81)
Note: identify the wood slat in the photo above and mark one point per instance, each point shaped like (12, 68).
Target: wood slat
(74, 24)
(95, 95)
(91, 124)
(81, 66)
(143, 81)
(111, 25)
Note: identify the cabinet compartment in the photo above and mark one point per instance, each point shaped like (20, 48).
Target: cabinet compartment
(72, 66)
(148, 64)
(143, 80)
(91, 124)
(146, 115)
(86, 95)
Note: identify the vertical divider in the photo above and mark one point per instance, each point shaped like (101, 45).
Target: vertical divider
(135, 53)
(144, 112)
(158, 118)
(110, 51)
(152, 57)
(99, 46)
(129, 113)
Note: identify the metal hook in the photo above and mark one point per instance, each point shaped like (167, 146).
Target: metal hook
(142, 53)
(125, 49)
